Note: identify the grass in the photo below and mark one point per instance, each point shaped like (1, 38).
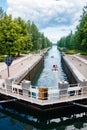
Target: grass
(1, 58)
(72, 52)
(68, 51)
(84, 53)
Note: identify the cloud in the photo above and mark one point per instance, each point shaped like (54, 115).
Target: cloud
(54, 33)
(48, 15)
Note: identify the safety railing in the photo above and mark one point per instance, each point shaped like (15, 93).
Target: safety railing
(48, 94)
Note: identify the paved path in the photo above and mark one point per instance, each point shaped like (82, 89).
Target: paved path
(18, 65)
(79, 63)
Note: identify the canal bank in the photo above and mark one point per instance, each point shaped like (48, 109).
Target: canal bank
(26, 67)
(30, 70)
(75, 67)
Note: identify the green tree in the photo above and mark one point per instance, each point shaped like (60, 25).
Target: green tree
(78, 40)
(2, 13)
(35, 35)
(5, 41)
(14, 35)
(82, 30)
(18, 36)
(24, 39)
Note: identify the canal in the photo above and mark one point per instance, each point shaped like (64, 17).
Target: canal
(12, 119)
(49, 77)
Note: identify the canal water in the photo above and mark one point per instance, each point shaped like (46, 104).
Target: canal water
(49, 77)
(11, 119)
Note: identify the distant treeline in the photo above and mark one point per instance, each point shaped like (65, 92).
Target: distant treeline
(18, 36)
(78, 40)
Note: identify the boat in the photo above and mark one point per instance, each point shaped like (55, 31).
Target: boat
(52, 56)
(55, 68)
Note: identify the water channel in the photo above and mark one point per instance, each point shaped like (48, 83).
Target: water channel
(49, 77)
(14, 120)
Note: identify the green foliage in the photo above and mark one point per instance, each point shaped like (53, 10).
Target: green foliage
(1, 58)
(18, 36)
(71, 51)
(77, 41)
(83, 53)
(39, 40)
(1, 12)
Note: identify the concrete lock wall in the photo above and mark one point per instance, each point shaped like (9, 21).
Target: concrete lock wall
(68, 71)
(30, 76)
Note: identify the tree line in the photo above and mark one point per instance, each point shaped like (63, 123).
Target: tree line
(18, 36)
(78, 40)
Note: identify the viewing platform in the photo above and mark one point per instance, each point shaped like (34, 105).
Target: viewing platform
(64, 92)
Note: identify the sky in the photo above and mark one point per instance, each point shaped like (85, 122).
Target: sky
(54, 18)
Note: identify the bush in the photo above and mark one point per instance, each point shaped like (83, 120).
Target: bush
(71, 52)
(1, 58)
(83, 53)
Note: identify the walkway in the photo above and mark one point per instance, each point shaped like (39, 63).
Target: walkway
(79, 63)
(18, 65)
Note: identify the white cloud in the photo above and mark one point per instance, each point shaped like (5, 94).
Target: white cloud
(50, 16)
(54, 33)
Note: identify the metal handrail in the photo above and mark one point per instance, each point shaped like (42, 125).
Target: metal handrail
(47, 95)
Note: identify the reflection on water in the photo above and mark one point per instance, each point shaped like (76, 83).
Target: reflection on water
(15, 120)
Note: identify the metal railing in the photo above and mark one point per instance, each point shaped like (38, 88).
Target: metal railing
(47, 96)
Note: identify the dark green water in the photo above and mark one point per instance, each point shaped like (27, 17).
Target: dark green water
(13, 120)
